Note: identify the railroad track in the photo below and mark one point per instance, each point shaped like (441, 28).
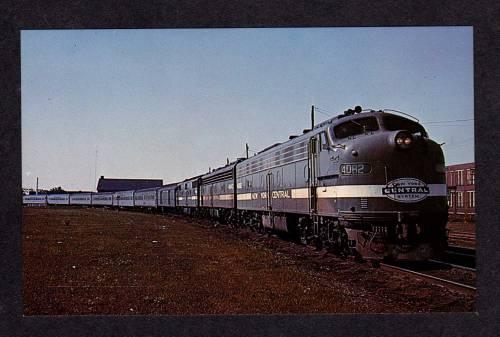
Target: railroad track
(459, 256)
(465, 238)
(464, 288)
(462, 251)
(468, 239)
(463, 234)
(453, 265)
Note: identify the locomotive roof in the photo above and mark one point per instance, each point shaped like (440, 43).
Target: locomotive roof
(344, 117)
(219, 170)
(223, 169)
(191, 179)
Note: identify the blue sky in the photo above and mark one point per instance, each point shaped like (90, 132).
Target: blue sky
(171, 103)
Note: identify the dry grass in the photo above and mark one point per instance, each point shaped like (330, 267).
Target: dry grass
(96, 261)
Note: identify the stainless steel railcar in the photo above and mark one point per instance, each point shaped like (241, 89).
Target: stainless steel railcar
(166, 196)
(84, 199)
(146, 198)
(58, 199)
(102, 199)
(123, 199)
(35, 200)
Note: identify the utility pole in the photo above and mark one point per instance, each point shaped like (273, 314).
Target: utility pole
(36, 185)
(246, 146)
(312, 117)
(95, 169)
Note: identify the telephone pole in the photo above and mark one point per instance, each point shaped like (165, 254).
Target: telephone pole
(312, 117)
(95, 169)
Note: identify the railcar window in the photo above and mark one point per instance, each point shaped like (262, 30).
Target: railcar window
(394, 123)
(355, 127)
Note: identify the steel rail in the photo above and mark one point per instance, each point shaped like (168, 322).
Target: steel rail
(441, 281)
(452, 265)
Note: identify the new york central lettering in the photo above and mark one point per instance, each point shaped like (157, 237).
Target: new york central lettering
(404, 190)
(285, 194)
(281, 194)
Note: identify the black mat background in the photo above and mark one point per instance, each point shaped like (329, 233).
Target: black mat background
(482, 15)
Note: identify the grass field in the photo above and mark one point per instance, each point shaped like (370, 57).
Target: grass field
(99, 261)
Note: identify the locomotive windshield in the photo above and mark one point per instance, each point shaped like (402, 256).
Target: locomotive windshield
(355, 127)
(394, 123)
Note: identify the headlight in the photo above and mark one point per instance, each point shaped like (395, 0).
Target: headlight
(404, 140)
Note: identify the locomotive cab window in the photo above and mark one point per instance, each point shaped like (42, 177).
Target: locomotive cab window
(355, 127)
(394, 123)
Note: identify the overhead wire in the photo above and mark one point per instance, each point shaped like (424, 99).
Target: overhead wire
(323, 111)
(467, 125)
(449, 121)
(459, 144)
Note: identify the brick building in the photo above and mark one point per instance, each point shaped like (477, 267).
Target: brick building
(460, 180)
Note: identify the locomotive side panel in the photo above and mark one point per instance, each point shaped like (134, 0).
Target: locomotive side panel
(222, 196)
(218, 190)
(275, 180)
(289, 184)
(300, 192)
(188, 194)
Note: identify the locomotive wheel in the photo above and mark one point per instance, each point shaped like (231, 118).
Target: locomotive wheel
(302, 237)
(303, 233)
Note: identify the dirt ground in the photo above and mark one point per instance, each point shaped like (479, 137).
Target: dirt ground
(99, 261)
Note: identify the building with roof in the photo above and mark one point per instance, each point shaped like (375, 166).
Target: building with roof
(116, 184)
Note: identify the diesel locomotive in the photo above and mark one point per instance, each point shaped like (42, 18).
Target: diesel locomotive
(369, 183)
